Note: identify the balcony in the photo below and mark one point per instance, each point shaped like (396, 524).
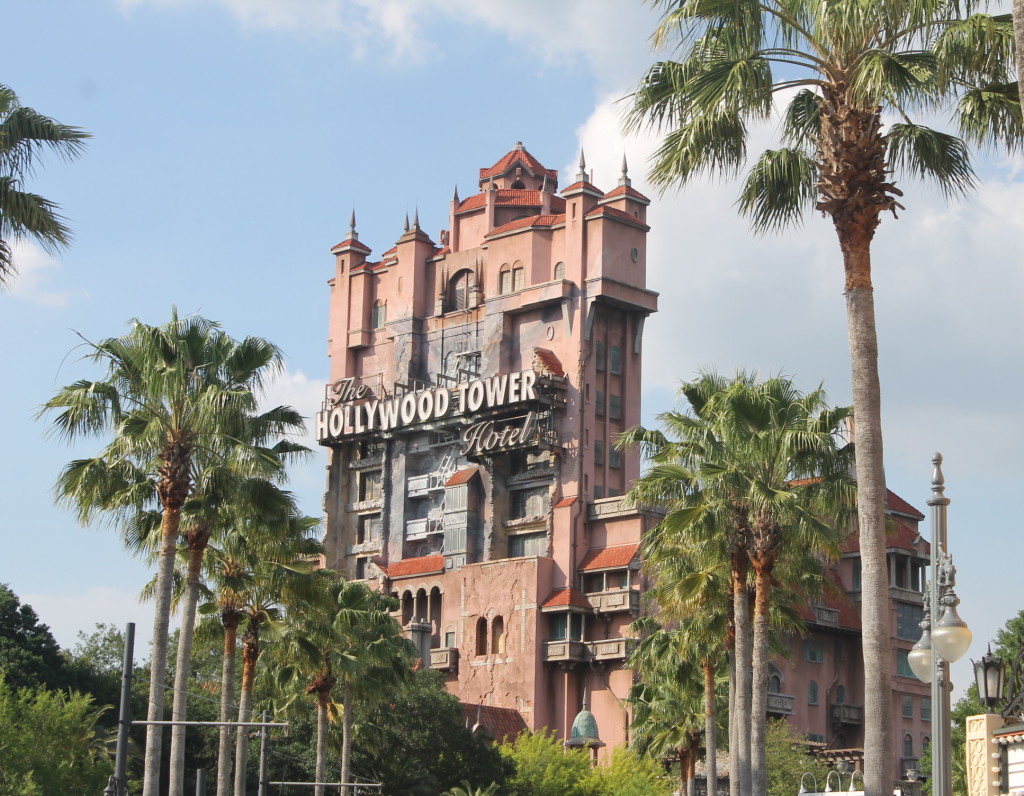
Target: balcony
(445, 659)
(612, 649)
(566, 652)
(781, 704)
(364, 505)
(416, 530)
(847, 714)
(826, 616)
(616, 601)
(367, 462)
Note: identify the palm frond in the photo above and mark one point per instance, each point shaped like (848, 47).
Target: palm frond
(779, 190)
(933, 155)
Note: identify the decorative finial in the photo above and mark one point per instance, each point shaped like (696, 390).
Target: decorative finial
(581, 176)
(544, 184)
(352, 234)
(416, 218)
(405, 228)
(624, 178)
(519, 145)
(455, 196)
(938, 483)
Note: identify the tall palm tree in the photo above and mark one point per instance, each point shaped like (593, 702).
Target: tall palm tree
(762, 456)
(174, 400)
(848, 62)
(23, 133)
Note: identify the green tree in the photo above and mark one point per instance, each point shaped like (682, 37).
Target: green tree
(789, 759)
(175, 400)
(49, 744)
(761, 457)
(628, 774)
(29, 654)
(543, 767)
(24, 133)
(848, 63)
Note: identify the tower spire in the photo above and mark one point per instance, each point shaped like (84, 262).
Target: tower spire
(352, 234)
(581, 175)
(455, 195)
(416, 218)
(624, 178)
(405, 228)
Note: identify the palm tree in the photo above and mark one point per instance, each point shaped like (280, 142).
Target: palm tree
(761, 456)
(23, 132)
(348, 638)
(847, 62)
(175, 399)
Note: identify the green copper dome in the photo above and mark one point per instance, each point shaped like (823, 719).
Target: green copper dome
(584, 726)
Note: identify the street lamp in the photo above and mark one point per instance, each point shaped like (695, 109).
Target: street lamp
(945, 637)
(990, 675)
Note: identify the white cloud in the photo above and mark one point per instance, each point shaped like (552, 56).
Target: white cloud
(604, 32)
(36, 274)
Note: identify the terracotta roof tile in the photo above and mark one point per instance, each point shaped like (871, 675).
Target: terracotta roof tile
(610, 557)
(408, 567)
(355, 244)
(895, 503)
(530, 221)
(566, 597)
(463, 476)
(392, 250)
(566, 501)
(900, 534)
(614, 212)
(473, 202)
(583, 185)
(511, 158)
(625, 190)
(517, 197)
(836, 599)
(499, 724)
(550, 362)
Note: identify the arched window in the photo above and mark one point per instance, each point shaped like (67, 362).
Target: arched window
(908, 745)
(774, 680)
(559, 270)
(925, 743)
(841, 695)
(504, 280)
(378, 315)
(518, 184)
(812, 693)
(518, 277)
(481, 636)
(497, 636)
(459, 288)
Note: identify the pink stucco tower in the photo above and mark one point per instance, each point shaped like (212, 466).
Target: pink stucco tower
(477, 388)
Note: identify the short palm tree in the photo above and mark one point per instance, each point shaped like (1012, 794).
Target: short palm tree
(174, 401)
(842, 64)
(23, 134)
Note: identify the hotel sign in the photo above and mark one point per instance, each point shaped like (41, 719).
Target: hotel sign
(354, 410)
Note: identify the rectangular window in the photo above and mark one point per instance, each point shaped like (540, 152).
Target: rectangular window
(908, 617)
(615, 360)
(506, 282)
(599, 355)
(361, 568)
(615, 407)
(599, 404)
(593, 583)
(614, 493)
(598, 492)
(614, 458)
(528, 544)
(369, 528)
(599, 452)
(814, 651)
(379, 315)
(908, 706)
(559, 627)
(528, 503)
(449, 638)
(926, 708)
(370, 485)
(903, 664)
(518, 278)
(856, 574)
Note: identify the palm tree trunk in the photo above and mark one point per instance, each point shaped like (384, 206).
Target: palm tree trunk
(176, 775)
(158, 660)
(683, 769)
(692, 775)
(250, 654)
(227, 699)
(346, 736)
(710, 728)
(860, 310)
(734, 761)
(321, 742)
(1018, 37)
(759, 686)
(741, 610)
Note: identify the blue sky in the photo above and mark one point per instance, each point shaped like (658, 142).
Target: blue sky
(232, 138)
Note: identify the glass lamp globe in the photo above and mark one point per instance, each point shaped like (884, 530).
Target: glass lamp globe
(921, 658)
(951, 636)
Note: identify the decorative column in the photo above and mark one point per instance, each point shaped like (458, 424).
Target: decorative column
(983, 773)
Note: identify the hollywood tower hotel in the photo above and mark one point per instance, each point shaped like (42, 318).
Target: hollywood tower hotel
(477, 387)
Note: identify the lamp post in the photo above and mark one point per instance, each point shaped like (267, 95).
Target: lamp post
(945, 637)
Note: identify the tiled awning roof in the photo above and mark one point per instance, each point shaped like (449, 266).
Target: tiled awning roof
(610, 557)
